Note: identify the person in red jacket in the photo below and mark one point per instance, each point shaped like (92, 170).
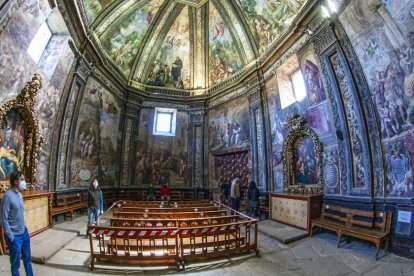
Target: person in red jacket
(165, 193)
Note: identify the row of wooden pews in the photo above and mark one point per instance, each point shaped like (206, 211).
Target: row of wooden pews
(154, 233)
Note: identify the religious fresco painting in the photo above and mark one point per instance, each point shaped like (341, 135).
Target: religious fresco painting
(318, 118)
(94, 7)
(172, 65)
(125, 41)
(161, 159)
(96, 140)
(305, 161)
(12, 138)
(382, 34)
(16, 66)
(312, 76)
(223, 56)
(267, 19)
(229, 127)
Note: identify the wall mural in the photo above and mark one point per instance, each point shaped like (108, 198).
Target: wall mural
(172, 66)
(383, 39)
(11, 144)
(312, 76)
(224, 59)
(229, 127)
(161, 159)
(123, 44)
(96, 140)
(94, 7)
(16, 67)
(267, 19)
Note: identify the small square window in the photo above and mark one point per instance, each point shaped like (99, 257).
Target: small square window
(39, 42)
(164, 121)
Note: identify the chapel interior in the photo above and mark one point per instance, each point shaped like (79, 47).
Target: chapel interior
(310, 99)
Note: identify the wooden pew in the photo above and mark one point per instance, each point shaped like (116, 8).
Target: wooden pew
(188, 222)
(170, 245)
(138, 246)
(67, 204)
(176, 215)
(195, 243)
(128, 203)
(367, 225)
(169, 209)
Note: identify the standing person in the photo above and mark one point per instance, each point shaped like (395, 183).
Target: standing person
(235, 195)
(95, 203)
(165, 193)
(253, 195)
(151, 193)
(15, 231)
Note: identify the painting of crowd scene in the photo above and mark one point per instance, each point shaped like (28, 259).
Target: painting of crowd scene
(161, 159)
(382, 34)
(11, 144)
(96, 140)
(172, 65)
(123, 43)
(268, 19)
(94, 7)
(224, 59)
(305, 161)
(229, 127)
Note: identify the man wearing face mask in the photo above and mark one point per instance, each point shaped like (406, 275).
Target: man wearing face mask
(15, 231)
(95, 203)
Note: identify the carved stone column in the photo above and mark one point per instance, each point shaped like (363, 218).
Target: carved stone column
(258, 141)
(131, 120)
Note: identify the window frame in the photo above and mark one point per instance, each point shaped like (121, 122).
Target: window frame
(173, 121)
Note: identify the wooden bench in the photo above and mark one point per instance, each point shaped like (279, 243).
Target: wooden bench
(109, 196)
(67, 204)
(169, 209)
(176, 215)
(200, 203)
(188, 222)
(366, 225)
(170, 245)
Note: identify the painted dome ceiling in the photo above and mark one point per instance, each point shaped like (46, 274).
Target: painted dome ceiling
(186, 44)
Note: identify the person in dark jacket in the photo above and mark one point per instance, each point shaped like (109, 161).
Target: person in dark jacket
(253, 195)
(95, 203)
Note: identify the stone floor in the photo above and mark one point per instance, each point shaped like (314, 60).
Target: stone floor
(309, 256)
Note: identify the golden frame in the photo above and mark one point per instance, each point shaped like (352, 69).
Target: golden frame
(24, 105)
(297, 129)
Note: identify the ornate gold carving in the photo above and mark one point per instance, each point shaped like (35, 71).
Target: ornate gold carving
(297, 130)
(24, 104)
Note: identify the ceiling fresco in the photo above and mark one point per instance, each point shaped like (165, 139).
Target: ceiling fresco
(172, 66)
(223, 56)
(154, 42)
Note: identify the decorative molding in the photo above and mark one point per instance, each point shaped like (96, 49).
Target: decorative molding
(126, 154)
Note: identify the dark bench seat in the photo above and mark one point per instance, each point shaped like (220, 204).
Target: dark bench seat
(366, 225)
(67, 204)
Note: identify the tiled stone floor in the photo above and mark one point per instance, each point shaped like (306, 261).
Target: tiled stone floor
(310, 256)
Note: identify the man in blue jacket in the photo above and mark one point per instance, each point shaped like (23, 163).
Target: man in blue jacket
(15, 231)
